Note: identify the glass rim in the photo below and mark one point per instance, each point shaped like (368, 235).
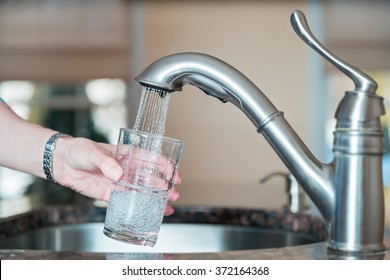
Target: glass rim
(148, 134)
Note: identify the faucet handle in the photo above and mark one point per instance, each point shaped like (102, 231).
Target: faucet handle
(363, 82)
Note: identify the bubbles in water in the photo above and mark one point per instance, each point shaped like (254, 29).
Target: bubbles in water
(138, 211)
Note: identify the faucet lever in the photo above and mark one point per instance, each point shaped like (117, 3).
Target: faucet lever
(363, 82)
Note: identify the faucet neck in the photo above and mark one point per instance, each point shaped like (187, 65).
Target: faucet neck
(220, 80)
(214, 77)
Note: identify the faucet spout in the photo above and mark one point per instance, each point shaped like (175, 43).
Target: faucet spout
(220, 80)
(212, 76)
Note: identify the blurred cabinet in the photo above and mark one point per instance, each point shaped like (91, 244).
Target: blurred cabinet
(64, 41)
(359, 32)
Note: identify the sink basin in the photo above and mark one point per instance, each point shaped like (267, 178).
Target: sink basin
(173, 238)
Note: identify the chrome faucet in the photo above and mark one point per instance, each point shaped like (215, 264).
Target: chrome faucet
(347, 191)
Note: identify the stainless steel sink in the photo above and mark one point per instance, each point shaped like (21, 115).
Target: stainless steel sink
(173, 238)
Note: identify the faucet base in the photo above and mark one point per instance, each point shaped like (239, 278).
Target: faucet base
(367, 252)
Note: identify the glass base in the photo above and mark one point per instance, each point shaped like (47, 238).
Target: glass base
(131, 239)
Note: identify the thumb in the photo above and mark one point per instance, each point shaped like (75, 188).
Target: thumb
(109, 166)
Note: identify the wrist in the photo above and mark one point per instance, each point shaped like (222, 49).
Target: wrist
(49, 154)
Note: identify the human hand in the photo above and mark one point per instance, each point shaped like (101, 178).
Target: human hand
(90, 168)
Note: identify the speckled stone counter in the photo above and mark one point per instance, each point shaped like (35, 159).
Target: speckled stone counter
(72, 214)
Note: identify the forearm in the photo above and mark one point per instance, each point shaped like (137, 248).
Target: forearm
(22, 143)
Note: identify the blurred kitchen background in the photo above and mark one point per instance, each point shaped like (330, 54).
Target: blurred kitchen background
(70, 65)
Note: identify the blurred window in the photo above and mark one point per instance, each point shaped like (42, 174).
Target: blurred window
(94, 109)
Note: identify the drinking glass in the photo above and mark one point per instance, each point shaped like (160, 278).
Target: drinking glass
(137, 202)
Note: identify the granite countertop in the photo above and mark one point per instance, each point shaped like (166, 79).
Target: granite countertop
(72, 214)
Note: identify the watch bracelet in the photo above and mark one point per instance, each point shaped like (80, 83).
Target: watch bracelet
(48, 154)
